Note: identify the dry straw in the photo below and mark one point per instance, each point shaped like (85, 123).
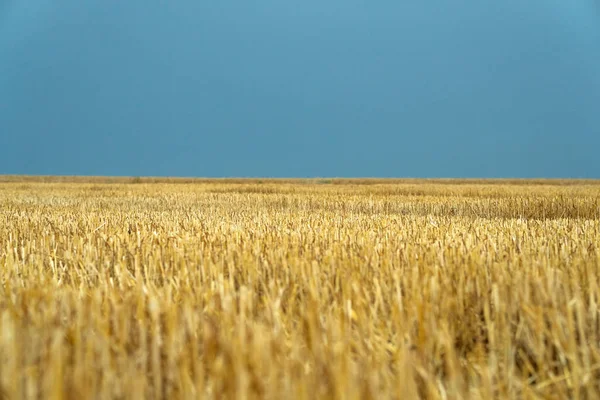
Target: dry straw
(312, 289)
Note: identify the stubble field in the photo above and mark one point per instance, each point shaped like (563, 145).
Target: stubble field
(341, 289)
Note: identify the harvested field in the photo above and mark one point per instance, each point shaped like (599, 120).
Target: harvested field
(341, 289)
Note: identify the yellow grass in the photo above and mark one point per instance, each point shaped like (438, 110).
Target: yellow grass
(286, 289)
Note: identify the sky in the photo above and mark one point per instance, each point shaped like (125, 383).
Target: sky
(300, 88)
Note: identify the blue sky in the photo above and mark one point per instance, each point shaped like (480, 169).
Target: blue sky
(308, 88)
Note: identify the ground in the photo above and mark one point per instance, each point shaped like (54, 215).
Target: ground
(321, 288)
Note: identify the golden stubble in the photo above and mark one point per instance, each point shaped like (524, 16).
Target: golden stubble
(299, 289)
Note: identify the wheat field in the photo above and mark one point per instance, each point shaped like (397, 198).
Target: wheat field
(306, 289)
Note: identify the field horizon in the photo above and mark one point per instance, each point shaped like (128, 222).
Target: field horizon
(10, 178)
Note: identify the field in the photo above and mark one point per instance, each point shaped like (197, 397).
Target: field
(341, 289)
